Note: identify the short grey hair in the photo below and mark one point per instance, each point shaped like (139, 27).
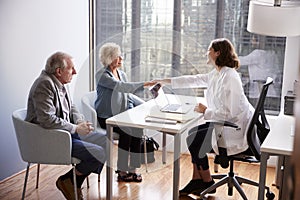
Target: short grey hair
(57, 60)
(108, 52)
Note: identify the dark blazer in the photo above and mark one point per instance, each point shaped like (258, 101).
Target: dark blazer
(44, 106)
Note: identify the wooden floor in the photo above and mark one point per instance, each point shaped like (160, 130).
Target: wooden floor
(156, 185)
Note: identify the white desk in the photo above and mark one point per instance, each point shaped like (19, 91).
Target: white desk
(279, 142)
(136, 118)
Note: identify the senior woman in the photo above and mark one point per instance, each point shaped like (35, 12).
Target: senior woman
(225, 101)
(115, 95)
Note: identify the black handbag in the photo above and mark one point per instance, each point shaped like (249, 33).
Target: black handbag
(151, 146)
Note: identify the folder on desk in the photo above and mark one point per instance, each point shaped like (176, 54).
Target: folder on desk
(182, 118)
(159, 120)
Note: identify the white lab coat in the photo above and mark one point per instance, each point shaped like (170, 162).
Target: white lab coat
(225, 101)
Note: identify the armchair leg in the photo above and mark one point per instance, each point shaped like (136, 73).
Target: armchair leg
(25, 181)
(145, 155)
(164, 151)
(75, 183)
(37, 176)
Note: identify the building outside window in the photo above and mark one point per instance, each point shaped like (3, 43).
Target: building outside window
(170, 38)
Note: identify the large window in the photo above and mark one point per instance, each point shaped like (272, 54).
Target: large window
(170, 38)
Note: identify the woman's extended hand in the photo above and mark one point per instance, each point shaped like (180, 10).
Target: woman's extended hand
(200, 108)
(163, 81)
(149, 83)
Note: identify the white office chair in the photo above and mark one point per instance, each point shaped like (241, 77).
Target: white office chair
(42, 146)
(88, 110)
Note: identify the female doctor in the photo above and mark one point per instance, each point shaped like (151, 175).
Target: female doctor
(225, 101)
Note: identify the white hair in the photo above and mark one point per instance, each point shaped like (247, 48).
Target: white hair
(108, 52)
(56, 60)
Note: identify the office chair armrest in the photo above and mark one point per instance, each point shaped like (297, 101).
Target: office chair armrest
(223, 123)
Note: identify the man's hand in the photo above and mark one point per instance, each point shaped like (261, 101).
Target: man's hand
(84, 128)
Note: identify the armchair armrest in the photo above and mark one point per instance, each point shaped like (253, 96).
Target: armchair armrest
(45, 146)
(40, 145)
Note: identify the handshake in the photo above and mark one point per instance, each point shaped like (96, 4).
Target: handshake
(153, 82)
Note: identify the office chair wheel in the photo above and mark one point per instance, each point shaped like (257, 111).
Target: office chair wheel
(270, 195)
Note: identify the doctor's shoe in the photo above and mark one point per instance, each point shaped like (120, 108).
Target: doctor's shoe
(206, 185)
(193, 187)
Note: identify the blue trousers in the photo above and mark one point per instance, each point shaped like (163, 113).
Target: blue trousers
(91, 150)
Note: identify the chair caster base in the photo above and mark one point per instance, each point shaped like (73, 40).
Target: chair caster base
(270, 195)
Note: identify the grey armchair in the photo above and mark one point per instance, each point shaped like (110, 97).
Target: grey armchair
(88, 110)
(42, 146)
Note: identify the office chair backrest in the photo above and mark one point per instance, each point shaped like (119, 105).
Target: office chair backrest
(259, 126)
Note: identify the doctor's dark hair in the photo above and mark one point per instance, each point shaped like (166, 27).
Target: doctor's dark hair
(228, 56)
(57, 60)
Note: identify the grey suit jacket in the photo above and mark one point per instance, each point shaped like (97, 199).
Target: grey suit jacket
(44, 106)
(115, 96)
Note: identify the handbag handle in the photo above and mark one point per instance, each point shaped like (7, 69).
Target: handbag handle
(155, 144)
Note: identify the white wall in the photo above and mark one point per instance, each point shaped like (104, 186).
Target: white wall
(291, 65)
(30, 31)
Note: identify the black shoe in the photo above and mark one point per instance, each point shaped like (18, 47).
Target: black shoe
(194, 186)
(206, 185)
